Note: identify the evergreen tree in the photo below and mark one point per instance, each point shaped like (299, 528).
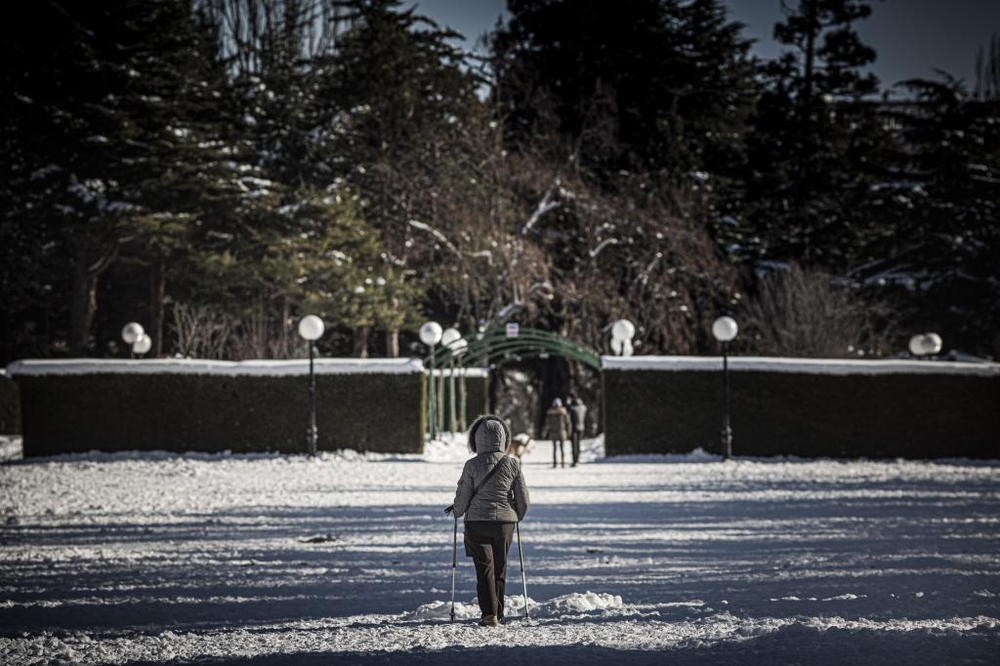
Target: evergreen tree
(119, 126)
(405, 101)
(645, 85)
(942, 208)
(814, 138)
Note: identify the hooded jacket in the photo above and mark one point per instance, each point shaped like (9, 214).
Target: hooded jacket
(504, 498)
(557, 425)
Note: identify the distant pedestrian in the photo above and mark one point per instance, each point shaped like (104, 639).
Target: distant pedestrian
(557, 428)
(493, 497)
(578, 417)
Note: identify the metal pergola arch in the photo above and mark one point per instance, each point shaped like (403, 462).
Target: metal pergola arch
(490, 348)
(494, 344)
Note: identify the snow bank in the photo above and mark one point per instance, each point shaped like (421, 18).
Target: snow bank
(801, 365)
(322, 366)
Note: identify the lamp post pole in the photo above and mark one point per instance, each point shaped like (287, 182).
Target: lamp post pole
(724, 329)
(311, 328)
(312, 434)
(727, 431)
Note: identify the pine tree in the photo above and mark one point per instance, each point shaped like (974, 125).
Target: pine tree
(815, 132)
(405, 103)
(646, 85)
(120, 128)
(943, 209)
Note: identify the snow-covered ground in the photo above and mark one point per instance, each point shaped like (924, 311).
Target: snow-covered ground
(267, 559)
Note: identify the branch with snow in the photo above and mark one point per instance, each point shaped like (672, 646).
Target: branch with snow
(544, 206)
(423, 226)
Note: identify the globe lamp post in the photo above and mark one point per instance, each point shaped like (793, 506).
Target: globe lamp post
(311, 329)
(925, 344)
(131, 333)
(142, 344)
(430, 335)
(724, 329)
(622, 332)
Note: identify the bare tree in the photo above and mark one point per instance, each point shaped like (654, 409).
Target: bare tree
(802, 313)
(202, 331)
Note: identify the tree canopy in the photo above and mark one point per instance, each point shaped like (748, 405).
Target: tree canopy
(216, 169)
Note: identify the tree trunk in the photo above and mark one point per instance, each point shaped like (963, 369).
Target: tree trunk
(361, 335)
(809, 56)
(286, 313)
(83, 296)
(157, 292)
(83, 305)
(392, 343)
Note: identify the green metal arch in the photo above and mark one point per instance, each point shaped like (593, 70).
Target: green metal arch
(495, 344)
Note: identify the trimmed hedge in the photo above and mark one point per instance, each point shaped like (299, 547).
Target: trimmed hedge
(908, 415)
(10, 406)
(65, 413)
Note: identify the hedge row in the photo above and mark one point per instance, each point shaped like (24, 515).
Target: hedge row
(65, 413)
(10, 406)
(909, 415)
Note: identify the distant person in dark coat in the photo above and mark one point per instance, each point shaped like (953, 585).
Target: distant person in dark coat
(578, 418)
(557, 428)
(491, 513)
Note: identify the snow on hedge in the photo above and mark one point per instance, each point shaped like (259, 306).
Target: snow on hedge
(816, 366)
(323, 366)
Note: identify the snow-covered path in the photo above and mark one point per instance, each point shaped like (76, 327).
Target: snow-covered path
(347, 559)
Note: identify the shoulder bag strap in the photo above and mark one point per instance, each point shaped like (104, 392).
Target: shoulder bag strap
(485, 479)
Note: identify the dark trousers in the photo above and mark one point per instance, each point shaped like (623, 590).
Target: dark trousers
(557, 445)
(487, 544)
(576, 446)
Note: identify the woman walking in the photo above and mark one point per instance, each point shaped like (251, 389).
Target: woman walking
(493, 497)
(557, 428)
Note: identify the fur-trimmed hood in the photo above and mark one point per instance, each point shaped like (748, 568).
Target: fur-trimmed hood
(488, 434)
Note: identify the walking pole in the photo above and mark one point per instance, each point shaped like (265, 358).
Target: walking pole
(524, 581)
(454, 566)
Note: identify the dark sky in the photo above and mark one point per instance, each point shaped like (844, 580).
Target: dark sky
(912, 37)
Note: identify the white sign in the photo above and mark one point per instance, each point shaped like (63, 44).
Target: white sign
(513, 330)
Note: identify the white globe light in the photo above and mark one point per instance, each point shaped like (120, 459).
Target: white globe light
(459, 346)
(932, 343)
(622, 329)
(430, 333)
(725, 329)
(925, 344)
(617, 345)
(132, 332)
(311, 327)
(142, 344)
(449, 336)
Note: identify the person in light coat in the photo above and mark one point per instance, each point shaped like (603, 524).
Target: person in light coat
(491, 513)
(557, 428)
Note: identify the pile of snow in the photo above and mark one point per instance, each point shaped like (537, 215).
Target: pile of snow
(10, 448)
(574, 605)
